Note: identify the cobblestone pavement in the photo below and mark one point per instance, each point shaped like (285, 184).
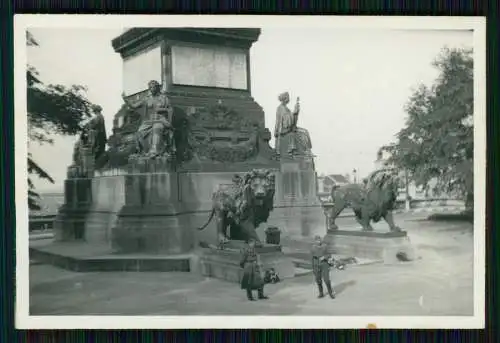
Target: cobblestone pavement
(440, 282)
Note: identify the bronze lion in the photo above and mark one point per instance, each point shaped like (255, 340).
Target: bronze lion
(370, 202)
(243, 206)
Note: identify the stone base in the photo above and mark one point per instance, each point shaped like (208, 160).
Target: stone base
(297, 221)
(372, 245)
(225, 264)
(145, 164)
(83, 257)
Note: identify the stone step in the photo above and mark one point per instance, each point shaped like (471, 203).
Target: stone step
(38, 236)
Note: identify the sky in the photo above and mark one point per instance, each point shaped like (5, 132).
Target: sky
(352, 84)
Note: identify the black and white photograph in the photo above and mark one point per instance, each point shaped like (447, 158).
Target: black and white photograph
(250, 171)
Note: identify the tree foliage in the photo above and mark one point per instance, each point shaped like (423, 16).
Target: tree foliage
(437, 140)
(52, 109)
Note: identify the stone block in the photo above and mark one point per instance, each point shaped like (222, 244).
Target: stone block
(372, 245)
(148, 231)
(298, 221)
(225, 264)
(159, 212)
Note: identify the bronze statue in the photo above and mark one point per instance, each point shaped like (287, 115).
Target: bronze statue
(97, 132)
(90, 145)
(243, 206)
(290, 139)
(155, 134)
(372, 201)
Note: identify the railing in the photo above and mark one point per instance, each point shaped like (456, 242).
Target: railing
(41, 223)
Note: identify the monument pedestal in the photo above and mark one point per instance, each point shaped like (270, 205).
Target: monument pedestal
(225, 264)
(372, 245)
(136, 205)
(297, 209)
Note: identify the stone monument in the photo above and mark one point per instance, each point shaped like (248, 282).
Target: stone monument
(187, 126)
(371, 201)
(301, 208)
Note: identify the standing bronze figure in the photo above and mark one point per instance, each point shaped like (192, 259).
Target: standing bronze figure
(252, 274)
(290, 139)
(321, 267)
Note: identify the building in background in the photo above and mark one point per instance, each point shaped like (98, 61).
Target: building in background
(410, 189)
(327, 182)
(43, 219)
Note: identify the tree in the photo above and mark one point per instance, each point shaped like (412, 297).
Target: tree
(52, 110)
(437, 141)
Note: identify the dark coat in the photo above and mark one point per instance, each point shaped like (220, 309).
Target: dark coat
(252, 271)
(321, 268)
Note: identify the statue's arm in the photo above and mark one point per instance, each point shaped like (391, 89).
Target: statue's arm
(168, 108)
(132, 104)
(135, 105)
(295, 113)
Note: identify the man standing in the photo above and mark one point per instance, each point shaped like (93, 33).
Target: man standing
(321, 268)
(252, 278)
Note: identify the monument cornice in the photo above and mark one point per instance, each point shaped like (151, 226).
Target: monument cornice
(133, 37)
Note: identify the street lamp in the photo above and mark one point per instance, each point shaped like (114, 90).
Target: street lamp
(354, 175)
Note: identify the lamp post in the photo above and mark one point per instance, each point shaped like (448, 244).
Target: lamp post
(354, 175)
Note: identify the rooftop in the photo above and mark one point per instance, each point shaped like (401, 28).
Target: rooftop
(337, 178)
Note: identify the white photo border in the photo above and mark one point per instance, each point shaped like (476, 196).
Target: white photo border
(23, 320)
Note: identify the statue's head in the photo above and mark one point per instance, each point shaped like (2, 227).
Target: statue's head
(96, 109)
(261, 183)
(284, 98)
(387, 178)
(154, 87)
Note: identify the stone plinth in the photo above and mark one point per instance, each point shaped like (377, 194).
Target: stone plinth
(83, 257)
(159, 213)
(225, 264)
(372, 245)
(71, 218)
(90, 209)
(297, 211)
(134, 205)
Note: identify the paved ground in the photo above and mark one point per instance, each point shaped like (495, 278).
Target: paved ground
(439, 283)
